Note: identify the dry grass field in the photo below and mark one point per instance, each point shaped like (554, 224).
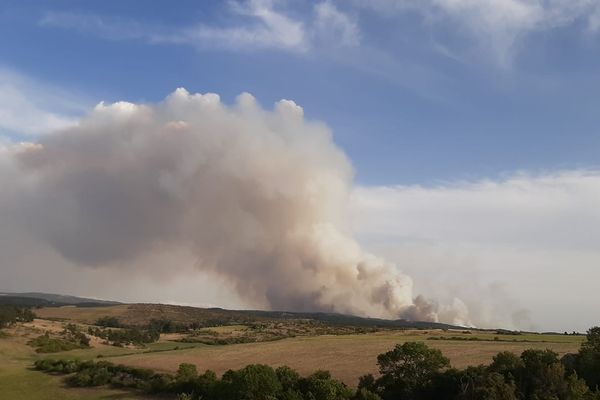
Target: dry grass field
(86, 315)
(346, 356)
(19, 381)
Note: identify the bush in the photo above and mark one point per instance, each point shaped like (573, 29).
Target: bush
(9, 314)
(124, 337)
(109, 322)
(46, 344)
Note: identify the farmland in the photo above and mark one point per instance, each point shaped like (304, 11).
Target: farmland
(303, 344)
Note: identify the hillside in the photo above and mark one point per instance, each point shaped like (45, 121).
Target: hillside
(38, 299)
(142, 314)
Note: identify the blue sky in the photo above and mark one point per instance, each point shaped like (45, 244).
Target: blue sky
(413, 93)
(471, 125)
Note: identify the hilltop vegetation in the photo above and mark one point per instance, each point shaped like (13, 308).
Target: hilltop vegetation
(183, 317)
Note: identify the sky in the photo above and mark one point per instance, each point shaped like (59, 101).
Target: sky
(470, 127)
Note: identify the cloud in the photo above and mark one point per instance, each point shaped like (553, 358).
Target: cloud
(526, 241)
(497, 26)
(521, 210)
(333, 24)
(29, 107)
(112, 28)
(258, 24)
(271, 29)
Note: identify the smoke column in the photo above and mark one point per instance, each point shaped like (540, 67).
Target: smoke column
(257, 196)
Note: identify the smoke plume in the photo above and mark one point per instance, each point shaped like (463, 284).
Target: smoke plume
(257, 196)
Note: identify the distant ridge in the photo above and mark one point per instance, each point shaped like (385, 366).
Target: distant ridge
(38, 299)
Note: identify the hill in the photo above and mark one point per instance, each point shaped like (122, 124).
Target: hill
(141, 314)
(38, 299)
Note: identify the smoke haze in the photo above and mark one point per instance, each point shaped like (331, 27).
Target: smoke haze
(253, 197)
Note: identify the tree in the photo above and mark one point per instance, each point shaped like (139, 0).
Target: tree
(408, 370)
(577, 389)
(205, 384)
(367, 382)
(185, 379)
(287, 377)
(253, 382)
(588, 359)
(478, 383)
(320, 386)
(108, 322)
(507, 364)
(543, 377)
(365, 394)
(186, 372)
(9, 314)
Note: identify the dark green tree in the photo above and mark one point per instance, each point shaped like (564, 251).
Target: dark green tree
(186, 372)
(588, 359)
(288, 377)
(253, 382)
(479, 383)
(320, 386)
(408, 370)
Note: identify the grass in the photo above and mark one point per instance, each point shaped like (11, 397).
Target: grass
(88, 315)
(18, 382)
(346, 356)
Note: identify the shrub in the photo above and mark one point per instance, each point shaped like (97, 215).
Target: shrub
(46, 344)
(108, 322)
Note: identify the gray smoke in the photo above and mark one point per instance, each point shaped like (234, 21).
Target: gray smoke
(257, 196)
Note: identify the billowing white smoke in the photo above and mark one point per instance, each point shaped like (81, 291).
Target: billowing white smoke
(257, 196)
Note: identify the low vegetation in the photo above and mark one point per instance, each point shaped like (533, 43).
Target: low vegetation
(70, 338)
(126, 336)
(182, 318)
(10, 314)
(479, 339)
(267, 331)
(217, 331)
(47, 344)
(410, 371)
(109, 322)
(255, 381)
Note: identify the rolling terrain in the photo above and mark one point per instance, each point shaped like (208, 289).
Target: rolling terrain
(220, 340)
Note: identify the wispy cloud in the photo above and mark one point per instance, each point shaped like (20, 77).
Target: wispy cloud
(111, 28)
(332, 23)
(268, 29)
(496, 26)
(30, 107)
(259, 24)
